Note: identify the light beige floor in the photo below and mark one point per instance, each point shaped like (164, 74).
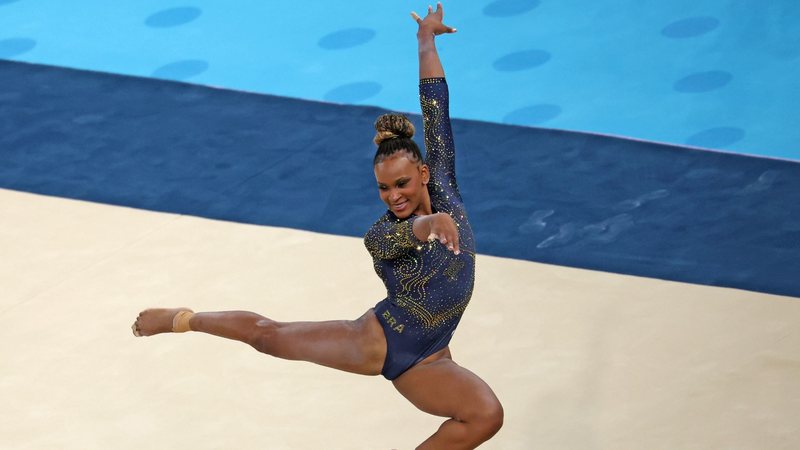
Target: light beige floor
(580, 359)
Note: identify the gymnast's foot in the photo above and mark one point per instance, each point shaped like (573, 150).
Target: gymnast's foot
(158, 320)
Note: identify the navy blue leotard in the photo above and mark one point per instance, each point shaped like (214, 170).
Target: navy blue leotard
(427, 286)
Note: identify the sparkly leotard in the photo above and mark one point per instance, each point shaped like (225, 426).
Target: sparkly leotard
(427, 286)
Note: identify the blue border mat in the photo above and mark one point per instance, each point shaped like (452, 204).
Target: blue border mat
(559, 197)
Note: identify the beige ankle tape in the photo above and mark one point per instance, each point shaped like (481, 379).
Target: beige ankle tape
(180, 323)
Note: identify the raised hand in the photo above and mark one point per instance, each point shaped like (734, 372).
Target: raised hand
(432, 23)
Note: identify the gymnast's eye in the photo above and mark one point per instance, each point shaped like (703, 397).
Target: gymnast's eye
(402, 183)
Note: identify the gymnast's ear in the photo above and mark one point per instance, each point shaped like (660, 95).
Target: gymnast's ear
(425, 172)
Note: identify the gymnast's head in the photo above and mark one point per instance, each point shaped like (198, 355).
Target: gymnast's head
(400, 170)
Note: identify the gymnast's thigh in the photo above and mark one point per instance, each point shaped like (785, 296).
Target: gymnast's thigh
(357, 346)
(441, 387)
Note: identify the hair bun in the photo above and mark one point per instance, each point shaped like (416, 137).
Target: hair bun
(389, 126)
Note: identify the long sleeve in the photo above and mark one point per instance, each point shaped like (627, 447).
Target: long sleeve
(439, 145)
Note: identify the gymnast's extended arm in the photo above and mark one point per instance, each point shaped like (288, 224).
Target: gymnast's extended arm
(438, 135)
(429, 64)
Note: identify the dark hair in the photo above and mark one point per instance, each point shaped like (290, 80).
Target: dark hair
(394, 133)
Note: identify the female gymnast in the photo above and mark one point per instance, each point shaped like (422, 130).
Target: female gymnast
(423, 250)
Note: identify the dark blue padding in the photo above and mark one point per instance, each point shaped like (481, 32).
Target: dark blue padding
(552, 196)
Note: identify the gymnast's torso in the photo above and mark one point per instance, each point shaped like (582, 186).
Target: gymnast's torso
(428, 287)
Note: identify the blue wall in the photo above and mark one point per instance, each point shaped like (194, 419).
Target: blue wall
(553, 196)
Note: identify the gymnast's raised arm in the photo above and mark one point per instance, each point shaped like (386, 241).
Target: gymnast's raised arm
(435, 104)
(430, 27)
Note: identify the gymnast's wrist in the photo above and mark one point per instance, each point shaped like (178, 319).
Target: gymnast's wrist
(425, 36)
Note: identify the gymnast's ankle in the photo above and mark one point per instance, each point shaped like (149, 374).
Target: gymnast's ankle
(180, 323)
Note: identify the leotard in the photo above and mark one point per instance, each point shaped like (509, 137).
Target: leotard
(427, 286)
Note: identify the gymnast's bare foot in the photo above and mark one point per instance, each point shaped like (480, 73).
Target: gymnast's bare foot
(155, 321)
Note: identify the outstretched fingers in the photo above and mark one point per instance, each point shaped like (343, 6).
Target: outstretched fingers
(444, 230)
(434, 20)
(439, 14)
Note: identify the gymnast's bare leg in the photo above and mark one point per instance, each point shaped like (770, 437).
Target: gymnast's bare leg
(357, 346)
(437, 385)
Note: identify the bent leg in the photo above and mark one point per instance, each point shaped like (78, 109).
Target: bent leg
(444, 388)
(357, 346)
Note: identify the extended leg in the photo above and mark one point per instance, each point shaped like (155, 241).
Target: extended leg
(357, 346)
(444, 388)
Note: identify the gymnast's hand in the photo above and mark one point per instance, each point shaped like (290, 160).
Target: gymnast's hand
(443, 229)
(432, 23)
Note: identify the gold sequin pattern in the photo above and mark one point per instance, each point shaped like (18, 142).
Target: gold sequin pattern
(430, 283)
(389, 239)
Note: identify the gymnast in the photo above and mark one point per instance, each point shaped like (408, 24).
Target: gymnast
(422, 249)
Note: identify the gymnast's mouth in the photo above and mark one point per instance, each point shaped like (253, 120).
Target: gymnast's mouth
(400, 206)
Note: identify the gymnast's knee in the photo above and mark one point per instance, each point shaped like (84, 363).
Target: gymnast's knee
(263, 336)
(489, 419)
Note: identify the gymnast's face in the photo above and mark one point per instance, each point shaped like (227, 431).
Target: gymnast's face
(402, 184)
